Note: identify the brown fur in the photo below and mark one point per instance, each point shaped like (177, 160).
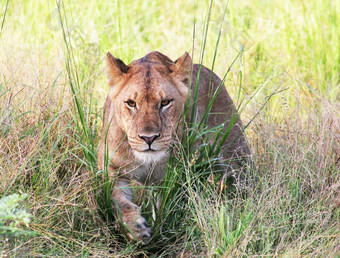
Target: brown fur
(130, 131)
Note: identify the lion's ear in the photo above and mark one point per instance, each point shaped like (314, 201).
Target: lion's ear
(181, 68)
(116, 69)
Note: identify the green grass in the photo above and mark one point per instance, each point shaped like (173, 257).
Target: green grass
(284, 77)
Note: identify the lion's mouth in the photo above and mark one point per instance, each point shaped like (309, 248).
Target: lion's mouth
(150, 155)
(149, 150)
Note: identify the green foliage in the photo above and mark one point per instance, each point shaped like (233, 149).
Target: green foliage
(12, 216)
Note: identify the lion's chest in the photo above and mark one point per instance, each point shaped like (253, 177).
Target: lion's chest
(146, 174)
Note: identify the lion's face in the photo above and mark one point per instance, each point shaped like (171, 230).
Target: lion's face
(149, 97)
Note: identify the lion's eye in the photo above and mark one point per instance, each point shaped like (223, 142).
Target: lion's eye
(130, 103)
(165, 102)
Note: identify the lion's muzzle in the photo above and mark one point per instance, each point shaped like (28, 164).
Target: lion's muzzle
(149, 139)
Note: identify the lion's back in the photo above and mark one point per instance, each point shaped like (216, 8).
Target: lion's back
(222, 111)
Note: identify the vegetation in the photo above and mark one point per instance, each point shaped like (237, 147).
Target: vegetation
(281, 63)
(11, 215)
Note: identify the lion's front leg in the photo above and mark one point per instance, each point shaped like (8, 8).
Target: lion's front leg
(135, 224)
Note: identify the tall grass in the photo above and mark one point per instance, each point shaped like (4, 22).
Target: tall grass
(281, 65)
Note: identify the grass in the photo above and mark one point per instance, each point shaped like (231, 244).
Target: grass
(285, 81)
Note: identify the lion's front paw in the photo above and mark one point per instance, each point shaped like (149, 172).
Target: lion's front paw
(139, 230)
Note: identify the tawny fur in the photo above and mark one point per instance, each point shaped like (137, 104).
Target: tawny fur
(126, 128)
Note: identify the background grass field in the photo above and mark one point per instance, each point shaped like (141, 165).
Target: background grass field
(289, 60)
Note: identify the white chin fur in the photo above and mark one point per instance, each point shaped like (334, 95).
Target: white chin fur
(150, 157)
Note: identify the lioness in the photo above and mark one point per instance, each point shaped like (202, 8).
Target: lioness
(141, 113)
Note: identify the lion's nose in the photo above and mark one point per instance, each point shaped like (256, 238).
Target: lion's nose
(149, 139)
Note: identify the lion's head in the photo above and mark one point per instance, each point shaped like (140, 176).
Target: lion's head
(149, 96)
